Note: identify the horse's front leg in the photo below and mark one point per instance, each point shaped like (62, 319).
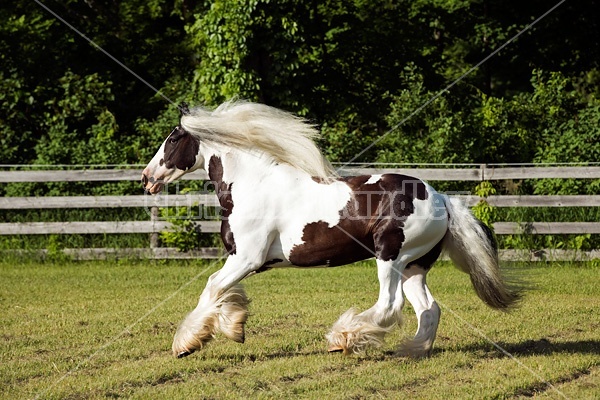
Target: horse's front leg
(223, 306)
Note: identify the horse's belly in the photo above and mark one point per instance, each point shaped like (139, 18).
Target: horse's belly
(330, 246)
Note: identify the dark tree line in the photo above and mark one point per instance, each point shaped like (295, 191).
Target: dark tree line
(357, 68)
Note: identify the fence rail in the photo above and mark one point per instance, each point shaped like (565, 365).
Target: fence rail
(210, 200)
(123, 227)
(171, 200)
(482, 173)
(154, 225)
(96, 227)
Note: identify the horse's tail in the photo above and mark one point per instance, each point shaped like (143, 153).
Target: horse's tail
(472, 248)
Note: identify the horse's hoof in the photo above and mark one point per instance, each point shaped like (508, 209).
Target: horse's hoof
(335, 349)
(184, 354)
(240, 339)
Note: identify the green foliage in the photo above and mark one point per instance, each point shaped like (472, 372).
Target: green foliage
(220, 36)
(483, 211)
(65, 102)
(536, 242)
(358, 68)
(554, 123)
(79, 128)
(570, 131)
(54, 250)
(437, 135)
(187, 233)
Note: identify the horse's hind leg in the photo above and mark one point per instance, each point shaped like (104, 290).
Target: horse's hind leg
(354, 333)
(428, 312)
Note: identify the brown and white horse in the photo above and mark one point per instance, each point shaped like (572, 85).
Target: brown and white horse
(284, 205)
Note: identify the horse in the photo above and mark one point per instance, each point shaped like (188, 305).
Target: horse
(284, 205)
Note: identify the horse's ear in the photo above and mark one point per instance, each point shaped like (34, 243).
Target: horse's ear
(184, 109)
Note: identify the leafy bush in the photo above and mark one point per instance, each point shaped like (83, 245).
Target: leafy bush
(187, 234)
(485, 212)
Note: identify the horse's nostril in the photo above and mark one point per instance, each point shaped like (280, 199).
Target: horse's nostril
(144, 179)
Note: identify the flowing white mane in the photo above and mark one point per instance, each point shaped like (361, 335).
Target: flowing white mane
(287, 138)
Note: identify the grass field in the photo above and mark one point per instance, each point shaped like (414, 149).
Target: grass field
(103, 330)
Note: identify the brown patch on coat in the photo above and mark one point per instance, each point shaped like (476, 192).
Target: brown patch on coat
(371, 224)
(215, 173)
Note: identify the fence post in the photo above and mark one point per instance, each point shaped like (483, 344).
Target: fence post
(483, 172)
(154, 242)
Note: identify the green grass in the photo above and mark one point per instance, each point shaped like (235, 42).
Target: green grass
(103, 330)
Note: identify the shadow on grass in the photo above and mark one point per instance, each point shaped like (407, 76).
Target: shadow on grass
(231, 357)
(541, 346)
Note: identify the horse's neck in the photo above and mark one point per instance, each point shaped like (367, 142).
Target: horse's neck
(228, 165)
(261, 182)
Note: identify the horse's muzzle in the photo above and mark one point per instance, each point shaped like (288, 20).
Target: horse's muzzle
(151, 185)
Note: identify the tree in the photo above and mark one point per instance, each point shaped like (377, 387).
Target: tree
(357, 68)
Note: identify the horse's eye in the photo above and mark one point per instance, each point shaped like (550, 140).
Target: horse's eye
(173, 140)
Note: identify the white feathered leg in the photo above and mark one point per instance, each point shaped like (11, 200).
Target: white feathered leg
(223, 306)
(354, 333)
(427, 310)
(227, 313)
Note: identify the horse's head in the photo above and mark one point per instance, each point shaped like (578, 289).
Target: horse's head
(178, 155)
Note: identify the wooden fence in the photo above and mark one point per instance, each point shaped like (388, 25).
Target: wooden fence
(154, 225)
